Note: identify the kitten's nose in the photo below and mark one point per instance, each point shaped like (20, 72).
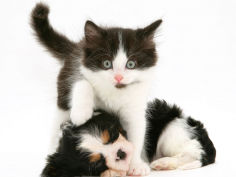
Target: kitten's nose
(118, 77)
(121, 154)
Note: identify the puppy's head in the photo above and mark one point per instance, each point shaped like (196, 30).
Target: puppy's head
(104, 137)
(90, 149)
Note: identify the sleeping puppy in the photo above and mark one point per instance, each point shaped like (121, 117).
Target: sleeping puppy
(100, 146)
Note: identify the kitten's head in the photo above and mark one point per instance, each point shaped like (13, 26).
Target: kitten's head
(116, 56)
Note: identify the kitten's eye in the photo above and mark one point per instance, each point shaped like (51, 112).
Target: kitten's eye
(107, 64)
(130, 64)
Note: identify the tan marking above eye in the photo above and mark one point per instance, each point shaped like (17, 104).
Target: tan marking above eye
(121, 138)
(95, 157)
(105, 136)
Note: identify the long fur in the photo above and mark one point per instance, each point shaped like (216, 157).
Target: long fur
(58, 45)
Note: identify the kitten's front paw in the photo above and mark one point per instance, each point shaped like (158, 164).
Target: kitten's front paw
(139, 169)
(80, 116)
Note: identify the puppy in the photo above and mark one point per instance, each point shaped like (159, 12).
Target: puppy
(100, 146)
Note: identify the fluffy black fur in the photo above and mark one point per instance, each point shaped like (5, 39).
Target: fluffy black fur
(71, 163)
(59, 45)
(202, 136)
(159, 115)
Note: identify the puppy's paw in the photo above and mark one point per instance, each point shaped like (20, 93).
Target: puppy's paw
(66, 125)
(80, 115)
(139, 169)
(113, 173)
(165, 163)
(190, 165)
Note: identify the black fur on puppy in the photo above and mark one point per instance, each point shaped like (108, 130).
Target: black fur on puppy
(169, 134)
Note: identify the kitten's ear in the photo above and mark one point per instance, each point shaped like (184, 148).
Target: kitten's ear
(149, 31)
(92, 31)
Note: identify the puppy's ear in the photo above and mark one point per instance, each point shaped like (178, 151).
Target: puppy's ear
(149, 31)
(49, 171)
(54, 167)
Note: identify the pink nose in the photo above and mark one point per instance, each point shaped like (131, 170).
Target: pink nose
(118, 77)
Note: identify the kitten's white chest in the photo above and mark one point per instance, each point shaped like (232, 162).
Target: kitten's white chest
(113, 99)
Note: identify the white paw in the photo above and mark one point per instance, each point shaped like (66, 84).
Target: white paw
(65, 125)
(165, 163)
(191, 165)
(80, 116)
(139, 169)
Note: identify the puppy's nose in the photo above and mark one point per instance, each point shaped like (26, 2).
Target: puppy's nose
(121, 154)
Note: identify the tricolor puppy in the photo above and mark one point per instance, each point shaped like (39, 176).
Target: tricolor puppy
(100, 146)
(91, 149)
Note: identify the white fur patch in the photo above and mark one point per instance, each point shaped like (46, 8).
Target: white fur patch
(119, 62)
(61, 116)
(176, 139)
(176, 149)
(92, 143)
(82, 102)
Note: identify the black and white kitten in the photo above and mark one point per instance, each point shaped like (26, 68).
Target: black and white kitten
(109, 69)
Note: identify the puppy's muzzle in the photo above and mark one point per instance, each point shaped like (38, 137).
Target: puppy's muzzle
(119, 154)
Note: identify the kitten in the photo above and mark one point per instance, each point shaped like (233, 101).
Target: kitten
(109, 69)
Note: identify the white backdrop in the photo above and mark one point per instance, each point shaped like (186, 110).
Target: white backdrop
(196, 70)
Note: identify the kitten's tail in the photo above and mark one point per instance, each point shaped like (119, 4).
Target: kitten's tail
(57, 44)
